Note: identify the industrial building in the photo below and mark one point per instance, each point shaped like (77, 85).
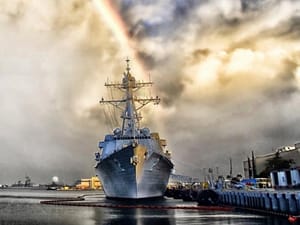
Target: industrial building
(257, 163)
(92, 183)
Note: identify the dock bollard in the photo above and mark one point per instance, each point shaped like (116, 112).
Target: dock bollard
(234, 198)
(261, 201)
(221, 197)
(252, 200)
(267, 201)
(258, 199)
(297, 197)
(247, 197)
(247, 200)
(242, 194)
(230, 198)
(274, 201)
(226, 197)
(238, 200)
(291, 202)
(282, 202)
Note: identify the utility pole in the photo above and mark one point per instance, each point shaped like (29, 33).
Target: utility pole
(204, 174)
(253, 165)
(230, 164)
(249, 168)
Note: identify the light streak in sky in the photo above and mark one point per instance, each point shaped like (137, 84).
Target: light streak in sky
(118, 27)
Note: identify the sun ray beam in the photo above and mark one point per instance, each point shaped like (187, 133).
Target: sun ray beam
(114, 21)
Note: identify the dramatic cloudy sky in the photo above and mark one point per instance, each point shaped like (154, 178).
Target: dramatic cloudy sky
(227, 71)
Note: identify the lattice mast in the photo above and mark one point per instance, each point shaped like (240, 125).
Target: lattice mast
(130, 116)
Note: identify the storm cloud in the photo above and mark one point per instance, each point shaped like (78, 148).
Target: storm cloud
(227, 72)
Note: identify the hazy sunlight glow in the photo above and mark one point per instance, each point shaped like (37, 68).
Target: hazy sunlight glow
(118, 27)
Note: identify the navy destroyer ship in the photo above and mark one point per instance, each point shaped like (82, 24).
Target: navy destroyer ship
(132, 162)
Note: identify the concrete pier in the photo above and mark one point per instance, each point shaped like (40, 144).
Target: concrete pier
(285, 202)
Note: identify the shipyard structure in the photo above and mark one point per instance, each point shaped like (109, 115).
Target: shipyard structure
(132, 162)
(257, 163)
(283, 177)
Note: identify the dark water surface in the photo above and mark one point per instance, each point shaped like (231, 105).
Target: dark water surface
(22, 207)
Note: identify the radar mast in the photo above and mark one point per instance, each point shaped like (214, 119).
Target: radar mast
(130, 104)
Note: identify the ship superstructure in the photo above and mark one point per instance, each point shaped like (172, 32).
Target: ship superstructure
(132, 162)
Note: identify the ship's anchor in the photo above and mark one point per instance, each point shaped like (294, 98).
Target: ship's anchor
(134, 160)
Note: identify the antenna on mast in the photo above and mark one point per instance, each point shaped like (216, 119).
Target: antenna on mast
(127, 67)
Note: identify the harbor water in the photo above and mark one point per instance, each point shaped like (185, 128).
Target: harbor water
(22, 207)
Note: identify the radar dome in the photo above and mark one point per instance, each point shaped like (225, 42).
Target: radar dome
(55, 179)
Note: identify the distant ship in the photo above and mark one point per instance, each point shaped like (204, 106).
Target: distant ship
(132, 162)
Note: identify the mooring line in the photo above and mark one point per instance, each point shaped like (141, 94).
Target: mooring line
(71, 202)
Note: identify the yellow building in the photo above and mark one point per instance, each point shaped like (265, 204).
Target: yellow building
(92, 183)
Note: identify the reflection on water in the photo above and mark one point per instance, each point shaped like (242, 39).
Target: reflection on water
(181, 217)
(138, 217)
(22, 213)
(28, 211)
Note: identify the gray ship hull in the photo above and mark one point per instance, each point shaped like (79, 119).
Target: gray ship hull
(145, 176)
